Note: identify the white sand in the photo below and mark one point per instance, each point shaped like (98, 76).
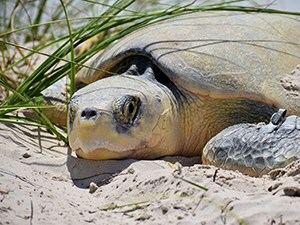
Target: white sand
(51, 187)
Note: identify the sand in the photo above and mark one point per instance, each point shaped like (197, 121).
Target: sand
(42, 182)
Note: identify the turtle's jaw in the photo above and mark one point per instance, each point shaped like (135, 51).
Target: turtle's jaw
(103, 154)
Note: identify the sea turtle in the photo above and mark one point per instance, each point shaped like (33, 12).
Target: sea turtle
(167, 89)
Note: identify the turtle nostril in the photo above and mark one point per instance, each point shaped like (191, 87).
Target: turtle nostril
(88, 113)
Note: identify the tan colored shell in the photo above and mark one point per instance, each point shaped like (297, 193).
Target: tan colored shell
(221, 55)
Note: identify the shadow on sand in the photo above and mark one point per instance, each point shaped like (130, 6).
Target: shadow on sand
(83, 171)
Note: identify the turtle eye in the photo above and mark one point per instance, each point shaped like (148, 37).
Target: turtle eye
(125, 109)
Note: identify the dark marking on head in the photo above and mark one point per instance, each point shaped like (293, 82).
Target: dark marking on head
(143, 66)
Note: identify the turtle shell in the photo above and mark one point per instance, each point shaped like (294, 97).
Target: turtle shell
(217, 55)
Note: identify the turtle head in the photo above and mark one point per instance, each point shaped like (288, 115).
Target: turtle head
(122, 116)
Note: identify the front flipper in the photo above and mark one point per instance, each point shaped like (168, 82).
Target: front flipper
(255, 149)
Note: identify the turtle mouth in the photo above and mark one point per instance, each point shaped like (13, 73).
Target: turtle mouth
(104, 154)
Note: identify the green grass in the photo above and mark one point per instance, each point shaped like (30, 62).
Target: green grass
(65, 32)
